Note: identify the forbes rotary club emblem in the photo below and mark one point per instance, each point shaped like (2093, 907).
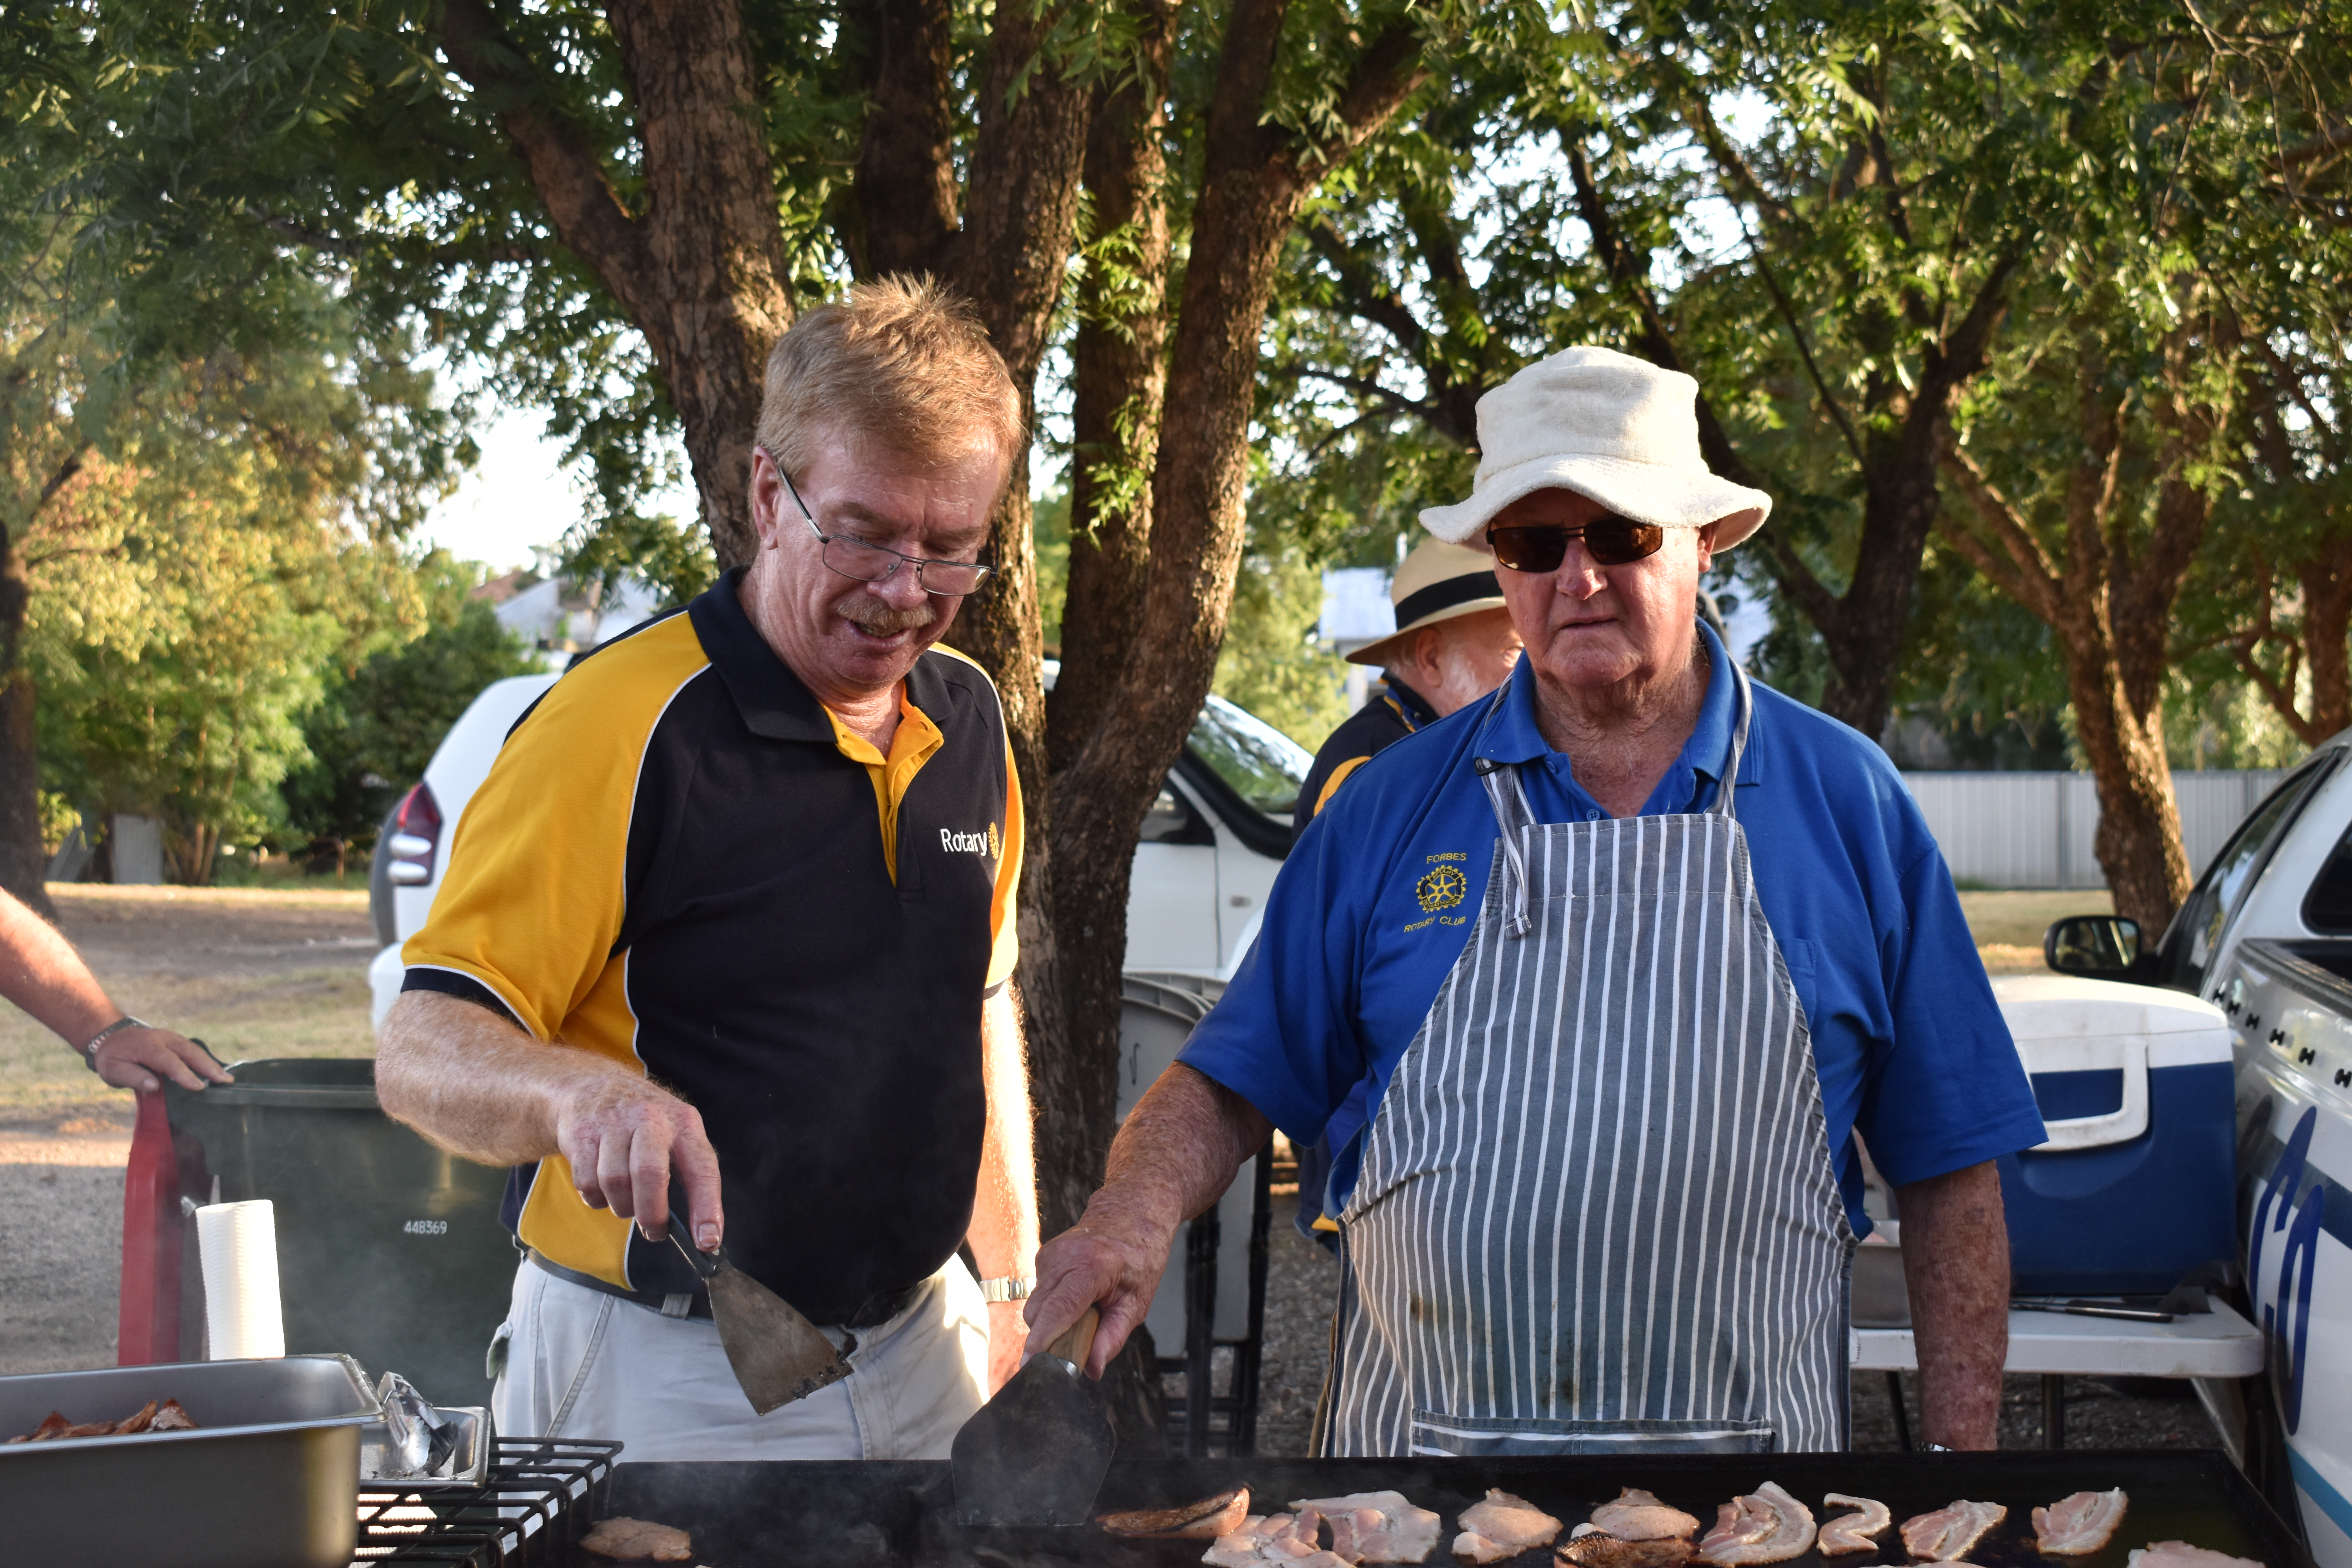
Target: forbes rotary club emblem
(1441, 890)
(995, 845)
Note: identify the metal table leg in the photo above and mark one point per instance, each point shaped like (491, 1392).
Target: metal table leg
(1902, 1416)
(2053, 1411)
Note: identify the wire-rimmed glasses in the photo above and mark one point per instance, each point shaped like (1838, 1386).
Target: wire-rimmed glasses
(867, 562)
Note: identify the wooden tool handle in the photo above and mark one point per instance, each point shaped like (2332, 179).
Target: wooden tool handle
(1077, 1341)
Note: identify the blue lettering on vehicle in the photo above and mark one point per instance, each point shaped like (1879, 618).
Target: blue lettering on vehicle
(2287, 1321)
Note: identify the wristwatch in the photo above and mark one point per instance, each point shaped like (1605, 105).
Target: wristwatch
(90, 1048)
(1007, 1290)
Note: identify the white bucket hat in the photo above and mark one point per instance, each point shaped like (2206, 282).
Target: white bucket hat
(1607, 426)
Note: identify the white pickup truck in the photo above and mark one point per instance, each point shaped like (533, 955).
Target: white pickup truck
(2267, 937)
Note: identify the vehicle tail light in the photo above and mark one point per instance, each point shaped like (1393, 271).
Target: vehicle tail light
(415, 834)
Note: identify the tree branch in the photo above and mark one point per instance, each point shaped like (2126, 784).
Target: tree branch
(64, 476)
(1367, 296)
(312, 238)
(570, 178)
(1386, 74)
(1996, 567)
(1425, 412)
(2032, 578)
(1805, 352)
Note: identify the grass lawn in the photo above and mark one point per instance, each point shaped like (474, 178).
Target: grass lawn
(2009, 926)
(253, 971)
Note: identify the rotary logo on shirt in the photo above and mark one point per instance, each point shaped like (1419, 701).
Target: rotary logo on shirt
(1441, 890)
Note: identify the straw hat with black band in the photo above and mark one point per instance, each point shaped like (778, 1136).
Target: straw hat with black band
(1437, 582)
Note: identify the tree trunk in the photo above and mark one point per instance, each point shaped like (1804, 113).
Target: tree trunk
(702, 271)
(1120, 377)
(1254, 176)
(24, 863)
(2110, 604)
(906, 185)
(2326, 581)
(1020, 215)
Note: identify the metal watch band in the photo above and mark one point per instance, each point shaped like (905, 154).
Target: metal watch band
(1007, 1289)
(89, 1048)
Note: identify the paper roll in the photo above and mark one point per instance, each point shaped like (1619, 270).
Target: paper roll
(243, 1314)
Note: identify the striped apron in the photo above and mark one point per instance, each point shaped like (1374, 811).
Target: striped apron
(1597, 1212)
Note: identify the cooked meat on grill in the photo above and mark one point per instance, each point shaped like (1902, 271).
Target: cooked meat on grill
(1204, 1521)
(1594, 1548)
(1951, 1532)
(2181, 1554)
(152, 1417)
(1287, 1539)
(1638, 1516)
(638, 1540)
(1503, 1526)
(1853, 1531)
(1378, 1527)
(1768, 1525)
(2079, 1525)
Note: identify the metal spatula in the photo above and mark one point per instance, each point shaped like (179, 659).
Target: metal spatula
(777, 1354)
(1036, 1453)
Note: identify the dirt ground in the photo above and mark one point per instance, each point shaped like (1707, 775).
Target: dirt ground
(272, 974)
(251, 972)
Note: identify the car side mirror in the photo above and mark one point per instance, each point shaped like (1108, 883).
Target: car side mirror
(2099, 947)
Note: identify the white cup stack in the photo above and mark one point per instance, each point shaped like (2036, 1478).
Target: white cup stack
(244, 1317)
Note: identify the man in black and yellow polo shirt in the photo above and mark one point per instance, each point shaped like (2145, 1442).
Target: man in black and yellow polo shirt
(736, 902)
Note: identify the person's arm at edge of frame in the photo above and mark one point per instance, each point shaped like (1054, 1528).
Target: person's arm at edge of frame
(480, 1086)
(1956, 1268)
(1177, 1153)
(41, 972)
(1004, 1234)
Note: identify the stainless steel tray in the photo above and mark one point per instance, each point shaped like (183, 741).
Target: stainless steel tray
(268, 1480)
(467, 1467)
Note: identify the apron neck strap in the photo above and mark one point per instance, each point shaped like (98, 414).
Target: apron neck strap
(1729, 784)
(1513, 818)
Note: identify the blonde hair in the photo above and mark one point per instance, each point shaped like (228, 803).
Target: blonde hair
(902, 363)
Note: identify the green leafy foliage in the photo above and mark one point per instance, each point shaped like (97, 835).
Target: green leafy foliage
(376, 726)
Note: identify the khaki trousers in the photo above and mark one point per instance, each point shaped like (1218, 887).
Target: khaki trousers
(580, 1363)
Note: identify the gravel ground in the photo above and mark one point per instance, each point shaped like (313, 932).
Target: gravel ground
(255, 972)
(60, 1258)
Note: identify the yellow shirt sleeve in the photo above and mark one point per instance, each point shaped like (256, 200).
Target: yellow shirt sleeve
(533, 898)
(1004, 911)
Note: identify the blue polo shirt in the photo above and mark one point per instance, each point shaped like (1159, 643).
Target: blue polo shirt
(1907, 1040)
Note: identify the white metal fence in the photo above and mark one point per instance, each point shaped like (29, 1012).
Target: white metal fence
(2034, 830)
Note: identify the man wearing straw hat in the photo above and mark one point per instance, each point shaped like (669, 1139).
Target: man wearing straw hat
(1454, 644)
(1622, 960)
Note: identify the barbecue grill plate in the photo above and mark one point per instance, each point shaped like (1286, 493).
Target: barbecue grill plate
(902, 1515)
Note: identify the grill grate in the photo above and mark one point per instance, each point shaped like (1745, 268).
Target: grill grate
(530, 1508)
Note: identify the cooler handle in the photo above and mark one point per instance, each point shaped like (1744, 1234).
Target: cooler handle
(2120, 1126)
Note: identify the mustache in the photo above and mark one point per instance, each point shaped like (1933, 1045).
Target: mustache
(879, 619)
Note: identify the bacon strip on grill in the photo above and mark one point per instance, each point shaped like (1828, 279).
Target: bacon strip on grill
(1853, 1531)
(1768, 1525)
(2078, 1525)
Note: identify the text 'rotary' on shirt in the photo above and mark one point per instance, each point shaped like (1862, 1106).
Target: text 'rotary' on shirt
(988, 843)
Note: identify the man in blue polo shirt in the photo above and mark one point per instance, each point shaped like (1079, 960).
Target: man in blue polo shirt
(1622, 958)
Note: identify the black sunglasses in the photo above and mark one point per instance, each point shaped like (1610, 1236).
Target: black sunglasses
(1610, 541)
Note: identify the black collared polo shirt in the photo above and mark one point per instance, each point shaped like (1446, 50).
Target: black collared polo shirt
(681, 860)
